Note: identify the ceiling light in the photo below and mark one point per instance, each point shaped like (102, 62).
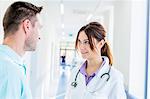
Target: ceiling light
(89, 17)
(62, 26)
(63, 33)
(62, 8)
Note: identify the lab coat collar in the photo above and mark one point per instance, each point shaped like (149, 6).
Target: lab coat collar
(84, 65)
(104, 63)
(104, 69)
(12, 54)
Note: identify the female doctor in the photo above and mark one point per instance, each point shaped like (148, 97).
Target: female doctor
(95, 78)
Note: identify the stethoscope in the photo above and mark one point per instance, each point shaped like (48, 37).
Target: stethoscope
(74, 83)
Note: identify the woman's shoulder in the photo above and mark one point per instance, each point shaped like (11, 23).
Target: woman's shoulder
(116, 74)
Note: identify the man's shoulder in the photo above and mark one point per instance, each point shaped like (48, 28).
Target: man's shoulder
(7, 67)
(5, 62)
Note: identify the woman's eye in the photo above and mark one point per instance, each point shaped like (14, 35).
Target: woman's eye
(86, 42)
(79, 41)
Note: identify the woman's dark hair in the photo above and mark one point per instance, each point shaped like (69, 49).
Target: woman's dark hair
(97, 31)
(16, 13)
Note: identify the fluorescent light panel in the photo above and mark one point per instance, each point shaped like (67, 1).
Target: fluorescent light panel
(62, 8)
(89, 17)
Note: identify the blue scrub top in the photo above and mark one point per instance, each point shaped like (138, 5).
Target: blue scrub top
(13, 84)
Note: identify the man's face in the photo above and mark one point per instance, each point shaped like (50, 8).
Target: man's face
(32, 39)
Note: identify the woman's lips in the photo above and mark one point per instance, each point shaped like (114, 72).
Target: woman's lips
(84, 52)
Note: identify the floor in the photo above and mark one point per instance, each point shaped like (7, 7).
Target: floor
(62, 85)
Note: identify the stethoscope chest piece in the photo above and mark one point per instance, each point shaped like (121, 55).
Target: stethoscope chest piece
(106, 74)
(74, 84)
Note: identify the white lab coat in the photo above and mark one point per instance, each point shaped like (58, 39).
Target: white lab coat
(98, 88)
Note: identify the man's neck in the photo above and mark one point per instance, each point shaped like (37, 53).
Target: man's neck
(14, 45)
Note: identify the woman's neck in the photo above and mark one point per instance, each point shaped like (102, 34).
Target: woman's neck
(93, 65)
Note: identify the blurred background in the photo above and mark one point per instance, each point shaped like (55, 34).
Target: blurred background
(127, 26)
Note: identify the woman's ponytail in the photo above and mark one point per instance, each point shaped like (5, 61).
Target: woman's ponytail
(105, 51)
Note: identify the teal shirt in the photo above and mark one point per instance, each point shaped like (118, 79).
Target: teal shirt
(13, 84)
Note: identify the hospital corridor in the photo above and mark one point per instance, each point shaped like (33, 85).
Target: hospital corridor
(67, 47)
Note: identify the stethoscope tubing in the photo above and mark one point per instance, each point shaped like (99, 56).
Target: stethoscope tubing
(74, 83)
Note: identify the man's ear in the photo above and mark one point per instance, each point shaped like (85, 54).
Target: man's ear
(27, 26)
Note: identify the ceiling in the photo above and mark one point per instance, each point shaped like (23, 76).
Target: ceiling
(75, 14)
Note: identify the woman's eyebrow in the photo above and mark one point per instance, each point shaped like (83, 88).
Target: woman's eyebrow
(84, 39)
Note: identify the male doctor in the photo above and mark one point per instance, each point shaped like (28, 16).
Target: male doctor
(21, 33)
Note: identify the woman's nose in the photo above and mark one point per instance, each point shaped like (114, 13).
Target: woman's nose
(82, 47)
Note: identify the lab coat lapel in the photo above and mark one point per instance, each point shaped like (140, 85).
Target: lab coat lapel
(97, 82)
(81, 88)
(82, 81)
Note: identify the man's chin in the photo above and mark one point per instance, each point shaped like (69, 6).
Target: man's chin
(30, 49)
(33, 49)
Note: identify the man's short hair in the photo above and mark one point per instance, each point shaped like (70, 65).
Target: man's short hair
(17, 13)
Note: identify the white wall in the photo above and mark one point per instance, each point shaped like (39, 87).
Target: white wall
(129, 43)
(3, 7)
(137, 48)
(121, 43)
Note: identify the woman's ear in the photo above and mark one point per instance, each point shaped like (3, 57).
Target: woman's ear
(27, 26)
(101, 43)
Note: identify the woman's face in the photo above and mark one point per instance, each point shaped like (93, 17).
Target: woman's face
(84, 47)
